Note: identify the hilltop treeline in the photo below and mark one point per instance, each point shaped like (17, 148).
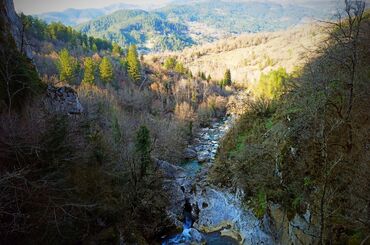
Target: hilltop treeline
(57, 32)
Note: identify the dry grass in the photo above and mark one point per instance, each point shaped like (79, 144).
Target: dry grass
(249, 55)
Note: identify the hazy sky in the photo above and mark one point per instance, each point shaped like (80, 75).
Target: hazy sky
(41, 6)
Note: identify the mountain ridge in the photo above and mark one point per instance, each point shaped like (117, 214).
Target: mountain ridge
(198, 23)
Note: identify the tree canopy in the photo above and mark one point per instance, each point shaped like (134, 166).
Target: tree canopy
(133, 63)
(89, 73)
(67, 66)
(271, 85)
(142, 147)
(106, 70)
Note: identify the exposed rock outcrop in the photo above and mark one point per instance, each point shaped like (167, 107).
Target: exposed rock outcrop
(175, 184)
(62, 100)
(11, 19)
(299, 230)
(222, 210)
(212, 209)
(190, 154)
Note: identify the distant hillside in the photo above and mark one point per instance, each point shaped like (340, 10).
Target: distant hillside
(250, 55)
(242, 17)
(74, 17)
(148, 30)
(180, 25)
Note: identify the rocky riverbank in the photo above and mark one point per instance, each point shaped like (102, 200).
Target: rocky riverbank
(213, 210)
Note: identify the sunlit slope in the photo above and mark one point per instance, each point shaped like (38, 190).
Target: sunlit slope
(250, 55)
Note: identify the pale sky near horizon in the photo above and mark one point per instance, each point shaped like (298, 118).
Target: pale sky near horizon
(42, 6)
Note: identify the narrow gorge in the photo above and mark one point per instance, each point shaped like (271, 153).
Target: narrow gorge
(187, 122)
(207, 213)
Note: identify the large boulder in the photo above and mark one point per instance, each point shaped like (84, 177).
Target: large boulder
(223, 210)
(204, 156)
(175, 183)
(62, 100)
(194, 236)
(300, 230)
(190, 154)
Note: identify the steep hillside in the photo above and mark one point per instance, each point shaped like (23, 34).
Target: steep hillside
(81, 135)
(248, 56)
(147, 30)
(303, 142)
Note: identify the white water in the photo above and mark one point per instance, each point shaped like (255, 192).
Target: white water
(220, 211)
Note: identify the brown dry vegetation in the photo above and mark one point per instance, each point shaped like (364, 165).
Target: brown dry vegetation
(249, 55)
(79, 178)
(308, 147)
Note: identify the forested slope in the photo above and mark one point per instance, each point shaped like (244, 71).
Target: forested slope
(304, 139)
(178, 26)
(80, 137)
(148, 30)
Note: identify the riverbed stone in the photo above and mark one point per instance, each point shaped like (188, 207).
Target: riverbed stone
(197, 236)
(204, 156)
(190, 153)
(219, 209)
(225, 210)
(299, 230)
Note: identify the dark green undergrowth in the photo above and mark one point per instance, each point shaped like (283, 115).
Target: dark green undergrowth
(306, 148)
(70, 179)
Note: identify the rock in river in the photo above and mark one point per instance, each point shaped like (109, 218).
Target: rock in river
(204, 156)
(190, 154)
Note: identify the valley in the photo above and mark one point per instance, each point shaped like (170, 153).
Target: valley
(185, 122)
(177, 26)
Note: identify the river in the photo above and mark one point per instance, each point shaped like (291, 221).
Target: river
(210, 215)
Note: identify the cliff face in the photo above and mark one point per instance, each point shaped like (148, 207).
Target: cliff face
(302, 229)
(13, 49)
(11, 25)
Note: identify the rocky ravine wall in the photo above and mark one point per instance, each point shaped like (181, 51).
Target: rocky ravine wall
(10, 18)
(301, 230)
(62, 100)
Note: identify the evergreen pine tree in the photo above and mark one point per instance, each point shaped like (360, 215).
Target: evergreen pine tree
(142, 148)
(67, 66)
(170, 63)
(227, 78)
(116, 50)
(106, 70)
(203, 76)
(133, 63)
(89, 74)
(94, 48)
(179, 68)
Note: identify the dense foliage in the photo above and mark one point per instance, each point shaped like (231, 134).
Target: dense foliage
(67, 66)
(303, 142)
(18, 78)
(271, 85)
(133, 64)
(242, 17)
(144, 29)
(89, 73)
(90, 177)
(106, 70)
(179, 25)
(56, 32)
